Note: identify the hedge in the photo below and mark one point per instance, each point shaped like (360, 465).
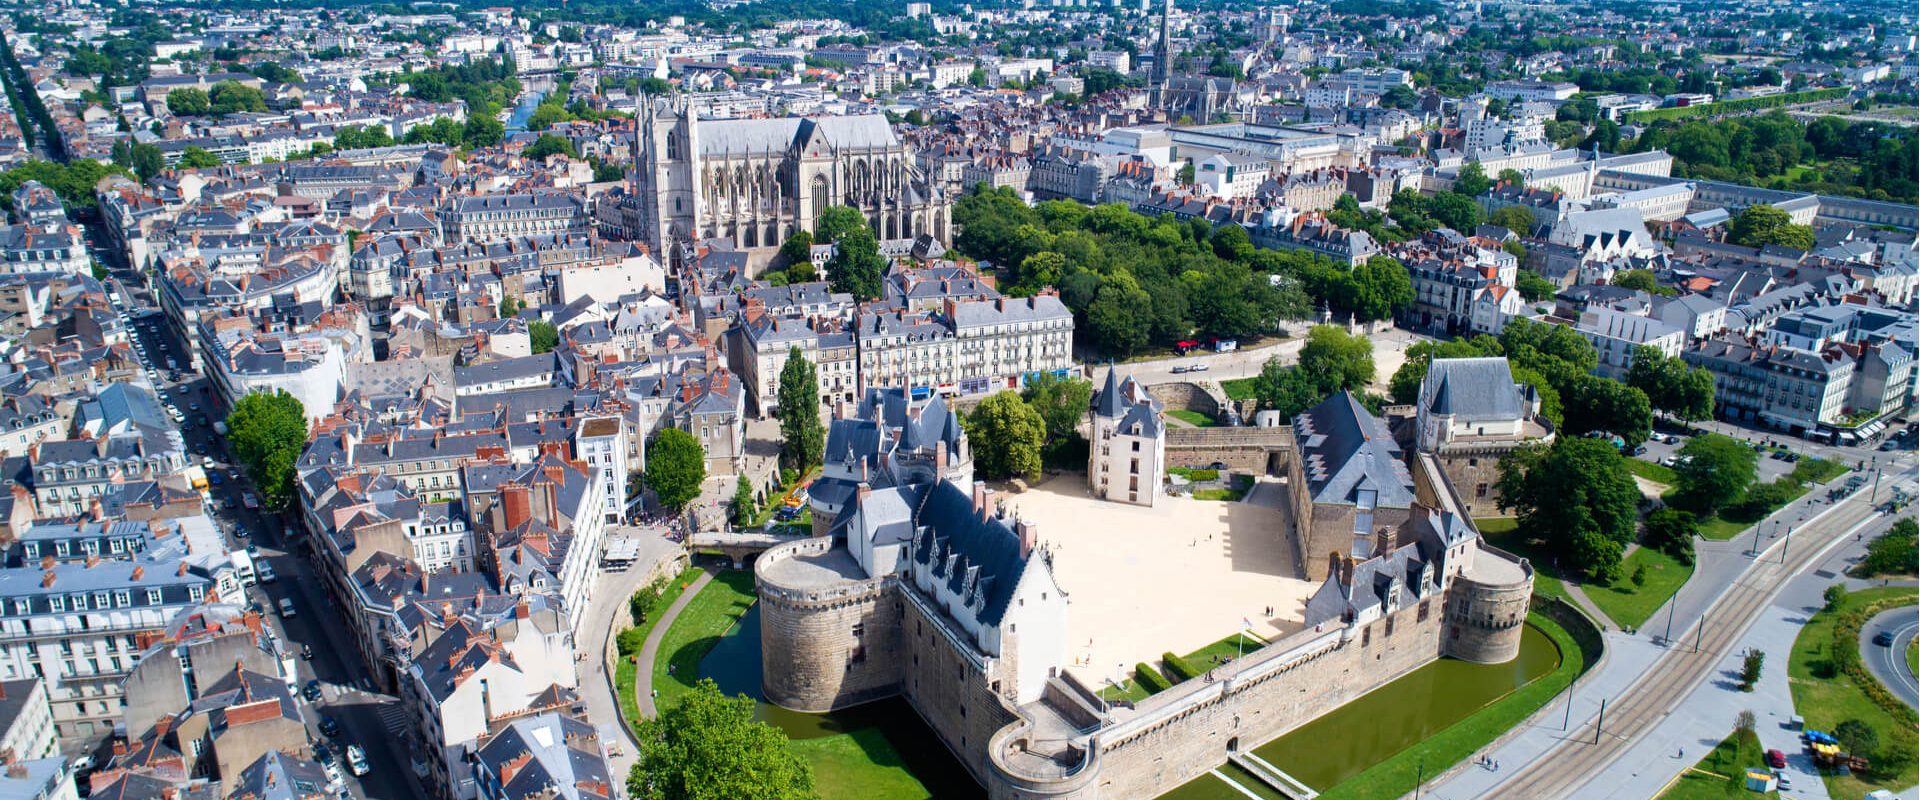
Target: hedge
(1150, 679)
(1178, 667)
(1845, 652)
(1747, 104)
(1202, 475)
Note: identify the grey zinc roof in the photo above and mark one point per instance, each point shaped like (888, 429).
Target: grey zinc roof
(1345, 450)
(745, 136)
(1473, 389)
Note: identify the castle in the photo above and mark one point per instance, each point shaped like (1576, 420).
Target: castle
(919, 585)
(1127, 452)
(752, 183)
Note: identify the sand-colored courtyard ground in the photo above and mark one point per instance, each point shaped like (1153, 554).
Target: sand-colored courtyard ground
(1176, 577)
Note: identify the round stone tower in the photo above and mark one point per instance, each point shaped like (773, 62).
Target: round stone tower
(1487, 607)
(827, 640)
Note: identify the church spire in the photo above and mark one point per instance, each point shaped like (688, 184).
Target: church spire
(1163, 55)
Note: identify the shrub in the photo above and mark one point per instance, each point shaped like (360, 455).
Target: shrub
(1671, 531)
(1640, 575)
(1150, 679)
(630, 641)
(1859, 738)
(1836, 595)
(1892, 553)
(1843, 654)
(1203, 475)
(1178, 668)
(1750, 669)
(1763, 498)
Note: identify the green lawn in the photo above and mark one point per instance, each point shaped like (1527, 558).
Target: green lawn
(1630, 605)
(1397, 775)
(1722, 528)
(1623, 602)
(1723, 772)
(1650, 471)
(698, 628)
(1913, 657)
(1817, 470)
(1224, 650)
(1194, 418)
(625, 670)
(858, 764)
(1226, 495)
(1825, 698)
(1238, 388)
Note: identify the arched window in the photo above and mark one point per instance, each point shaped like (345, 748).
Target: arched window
(820, 201)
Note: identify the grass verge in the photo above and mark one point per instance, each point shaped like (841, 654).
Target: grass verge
(626, 670)
(1723, 772)
(1398, 774)
(1728, 524)
(858, 764)
(1817, 470)
(1630, 604)
(1194, 418)
(1650, 471)
(698, 628)
(1826, 697)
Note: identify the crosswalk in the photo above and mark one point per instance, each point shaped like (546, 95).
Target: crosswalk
(393, 717)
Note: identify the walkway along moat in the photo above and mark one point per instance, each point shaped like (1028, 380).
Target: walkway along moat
(1336, 747)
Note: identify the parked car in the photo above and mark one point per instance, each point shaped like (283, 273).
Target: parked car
(1180, 370)
(357, 761)
(1198, 368)
(330, 727)
(286, 608)
(266, 573)
(1776, 759)
(312, 690)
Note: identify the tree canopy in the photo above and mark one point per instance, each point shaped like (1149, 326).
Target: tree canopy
(676, 466)
(802, 440)
(1578, 497)
(857, 266)
(708, 746)
(1670, 385)
(267, 433)
(1714, 472)
(1760, 225)
(1007, 435)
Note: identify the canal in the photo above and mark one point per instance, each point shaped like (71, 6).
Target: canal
(534, 91)
(884, 749)
(877, 750)
(1387, 720)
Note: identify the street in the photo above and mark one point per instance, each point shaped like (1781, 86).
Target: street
(374, 721)
(1888, 662)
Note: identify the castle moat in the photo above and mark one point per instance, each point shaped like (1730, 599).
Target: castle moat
(890, 745)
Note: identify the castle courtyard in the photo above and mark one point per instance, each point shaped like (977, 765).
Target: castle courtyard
(1177, 577)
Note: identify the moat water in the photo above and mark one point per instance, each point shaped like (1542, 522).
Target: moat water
(1321, 754)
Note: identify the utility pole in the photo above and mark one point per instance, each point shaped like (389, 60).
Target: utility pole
(1601, 724)
(1755, 549)
(1667, 640)
(1420, 777)
(1697, 628)
(1568, 694)
(1784, 544)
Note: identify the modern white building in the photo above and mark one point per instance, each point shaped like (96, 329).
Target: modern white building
(1616, 334)
(601, 442)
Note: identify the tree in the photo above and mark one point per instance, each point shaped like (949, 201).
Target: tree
(1456, 211)
(1534, 288)
(1671, 531)
(1335, 360)
(1760, 224)
(707, 746)
(802, 441)
(1892, 553)
(188, 102)
(676, 466)
(1381, 288)
(483, 130)
(1061, 402)
(1518, 219)
(1472, 180)
(1514, 177)
(543, 336)
(1594, 403)
(546, 115)
(548, 145)
(743, 506)
(147, 160)
(1715, 471)
(1404, 386)
(1750, 666)
(1186, 174)
(1670, 385)
(267, 433)
(198, 158)
(1007, 435)
(233, 97)
(797, 249)
(1118, 316)
(1641, 280)
(1858, 737)
(856, 265)
(1576, 495)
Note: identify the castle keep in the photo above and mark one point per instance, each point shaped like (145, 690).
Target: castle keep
(919, 585)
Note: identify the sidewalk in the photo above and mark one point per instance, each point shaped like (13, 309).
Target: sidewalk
(1630, 658)
(643, 675)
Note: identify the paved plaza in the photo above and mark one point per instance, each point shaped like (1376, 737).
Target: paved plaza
(1177, 577)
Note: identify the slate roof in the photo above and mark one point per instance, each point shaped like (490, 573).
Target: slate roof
(1473, 389)
(561, 759)
(1345, 450)
(976, 555)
